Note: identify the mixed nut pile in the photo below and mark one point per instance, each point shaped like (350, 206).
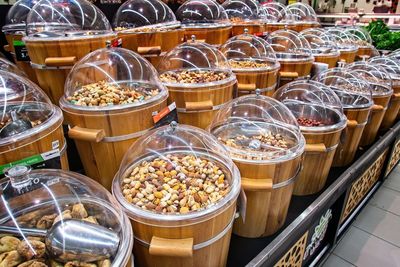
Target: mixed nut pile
(104, 93)
(142, 29)
(379, 85)
(248, 64)
(191, 76)
(32, 251)
(176, 184)
(309, 122)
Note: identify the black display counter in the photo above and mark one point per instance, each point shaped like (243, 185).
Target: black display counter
(315, 223)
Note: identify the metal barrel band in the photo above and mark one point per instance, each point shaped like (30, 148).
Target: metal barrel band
(44, 67)
(359, 125)
(290, 180)
(64, 148)
(183, 110)
(109, 139)
(262, 90)
(328, 149)
(202, 244)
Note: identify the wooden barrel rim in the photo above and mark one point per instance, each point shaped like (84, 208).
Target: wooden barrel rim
(289, 180)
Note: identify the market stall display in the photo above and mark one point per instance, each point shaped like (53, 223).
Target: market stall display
(199, 80)
(319, 113)
(14, 29)
(206, 19)
(355, 95)
(392, 66)
(109, 100)
(182, 214)
(148, 27)
(294, 54)
(363, 40)
(61, 198)
(244, 14)
(381, 86)
(323, 46)
(346, 44)
(59, 34)
(265, 142)
(254, 63)
(303, 15)
(274, 15)
(31, 126)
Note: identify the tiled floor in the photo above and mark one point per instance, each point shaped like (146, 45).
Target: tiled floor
(373, 240)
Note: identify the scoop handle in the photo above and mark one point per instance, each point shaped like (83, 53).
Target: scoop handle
(25, 231)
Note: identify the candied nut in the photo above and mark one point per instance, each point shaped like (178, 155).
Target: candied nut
(33, 263)
(54, 263)
(33, 249)
(65, 215)
(104, 263)
(10, 259)
(79, 211)
(90, 219)
(79, 264)
(46, 221)
(8, 243)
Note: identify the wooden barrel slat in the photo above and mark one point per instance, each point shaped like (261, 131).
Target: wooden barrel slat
(260, 80)
(252, 28)
(348, 56)
(393, 109)
(213, 36)
(330, 60)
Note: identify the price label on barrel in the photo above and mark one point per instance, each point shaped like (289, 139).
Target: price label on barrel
(21, 53)
(165, 116)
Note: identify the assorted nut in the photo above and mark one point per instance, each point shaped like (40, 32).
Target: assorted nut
(191, 76)
(142, 29)
(379, 85)
(31, 252)
(176, 184)
(309, 122)
(107, 94)
(248, 64)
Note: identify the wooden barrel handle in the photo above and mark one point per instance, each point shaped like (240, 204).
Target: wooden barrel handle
(7, 48)
(146, 50)
(396, 96)
(171, 247)
(201, 40)
(287, 74)
(246, 87)
(377, 107)
(84, 134)
(315, 147)
(60, 61)
(202, 105)
(352, 123)
(256, 184)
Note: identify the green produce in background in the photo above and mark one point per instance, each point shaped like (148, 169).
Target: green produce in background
(382, 37)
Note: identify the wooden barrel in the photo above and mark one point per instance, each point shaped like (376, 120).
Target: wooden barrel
(23, 65)
(330, 59)
(197, 105)
(213, 35)
(301, 26)
(348, 56)
(53, 58)
(250, 80)
(252, 28)
(151, 45)
(364, 51)
(292, 69)
(50, 138)
(374, 123)
(393, 108)
(271, 27)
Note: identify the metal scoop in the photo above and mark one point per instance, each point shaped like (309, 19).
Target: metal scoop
(15, 126)
(70, 239)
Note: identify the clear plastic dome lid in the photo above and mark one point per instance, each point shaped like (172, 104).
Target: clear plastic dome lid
(247, 51)
(17, 15)
(290, 45)
(360, 36)
(273, 11)
(375, 75)
(391, 65)
(194, 64)
(301, 12)
(6, 65)
(344, 40)
(321, 43)
(202, 13)
(112, 79)
(315, 106)
(144, 14)
(190, 175)
(258, 128)
(66, 18)
(44, 199)
(242, 11)
(26, 109)
(351, 88)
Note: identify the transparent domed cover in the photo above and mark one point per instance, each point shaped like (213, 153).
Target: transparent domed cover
(300, 12)
(273, 11)
(194, 64)
(290, 45)
(202, 13)
(112, 79)
(351, 88)
(391, 65)
(360, 35)
(144, 14)
(376, 76)
(321, 43)
(247, 51)
(66, 18)
(17, 15)
(344, 40)
(258, 128)
(26, 109)
(6, 65)
(191, 175)
(315, 106)
(40, 198)
(243, 11)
